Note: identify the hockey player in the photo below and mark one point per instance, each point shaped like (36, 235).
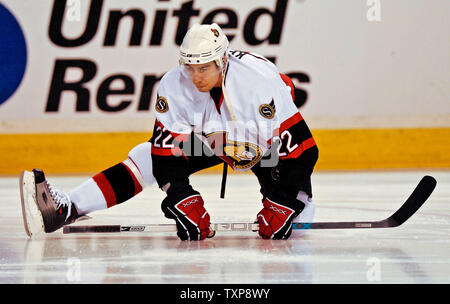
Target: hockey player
(238, 109)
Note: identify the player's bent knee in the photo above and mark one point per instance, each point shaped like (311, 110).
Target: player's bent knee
(141, 157)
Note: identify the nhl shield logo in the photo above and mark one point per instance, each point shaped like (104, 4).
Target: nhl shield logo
(161, 105)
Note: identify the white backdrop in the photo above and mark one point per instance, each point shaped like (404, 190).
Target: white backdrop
(371, 64)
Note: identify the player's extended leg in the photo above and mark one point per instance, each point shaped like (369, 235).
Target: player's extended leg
(116, 184)
(46, 209)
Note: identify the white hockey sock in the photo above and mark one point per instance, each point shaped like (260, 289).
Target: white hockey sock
(88, 197)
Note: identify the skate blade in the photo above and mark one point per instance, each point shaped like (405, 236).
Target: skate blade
(32, 217)
(83, 218)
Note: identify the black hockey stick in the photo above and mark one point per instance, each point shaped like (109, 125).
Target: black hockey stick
(413, 203)
(224, 180)
(417, 198)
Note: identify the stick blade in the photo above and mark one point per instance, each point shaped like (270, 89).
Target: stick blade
(414, 202)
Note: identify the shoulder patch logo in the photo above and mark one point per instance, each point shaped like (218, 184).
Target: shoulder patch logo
(161, 105)
(267, 110)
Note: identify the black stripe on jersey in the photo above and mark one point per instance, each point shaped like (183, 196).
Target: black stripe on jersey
(300, 131)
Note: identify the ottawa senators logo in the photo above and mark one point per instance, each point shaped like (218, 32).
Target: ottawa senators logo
(161, 105)
(267, 110)
(242, 155)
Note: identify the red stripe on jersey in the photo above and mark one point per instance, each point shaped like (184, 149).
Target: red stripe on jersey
(177, 136)
(180, 137)
(107, 190)
(288, 82)
(166, 151)
(160, 148)
(305, 145)
(285, 125)
(137, 185)
(219, 104)
(296, 118)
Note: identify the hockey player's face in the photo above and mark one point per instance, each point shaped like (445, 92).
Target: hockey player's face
(205, 76)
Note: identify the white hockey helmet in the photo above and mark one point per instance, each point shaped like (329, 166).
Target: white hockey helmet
(202, 44)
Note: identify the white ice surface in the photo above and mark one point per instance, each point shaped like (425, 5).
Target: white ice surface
(416, 252)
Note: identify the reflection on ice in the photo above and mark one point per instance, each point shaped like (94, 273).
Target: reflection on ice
(416, 252)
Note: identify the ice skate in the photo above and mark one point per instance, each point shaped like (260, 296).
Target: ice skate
(44, 209)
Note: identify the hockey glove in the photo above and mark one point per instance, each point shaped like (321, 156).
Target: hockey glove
(191, 217)
(275, 219)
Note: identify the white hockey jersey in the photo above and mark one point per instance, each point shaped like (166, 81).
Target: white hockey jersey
(261, 110)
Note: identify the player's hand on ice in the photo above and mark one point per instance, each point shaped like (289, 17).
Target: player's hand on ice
(190, 215)
(275, 219)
